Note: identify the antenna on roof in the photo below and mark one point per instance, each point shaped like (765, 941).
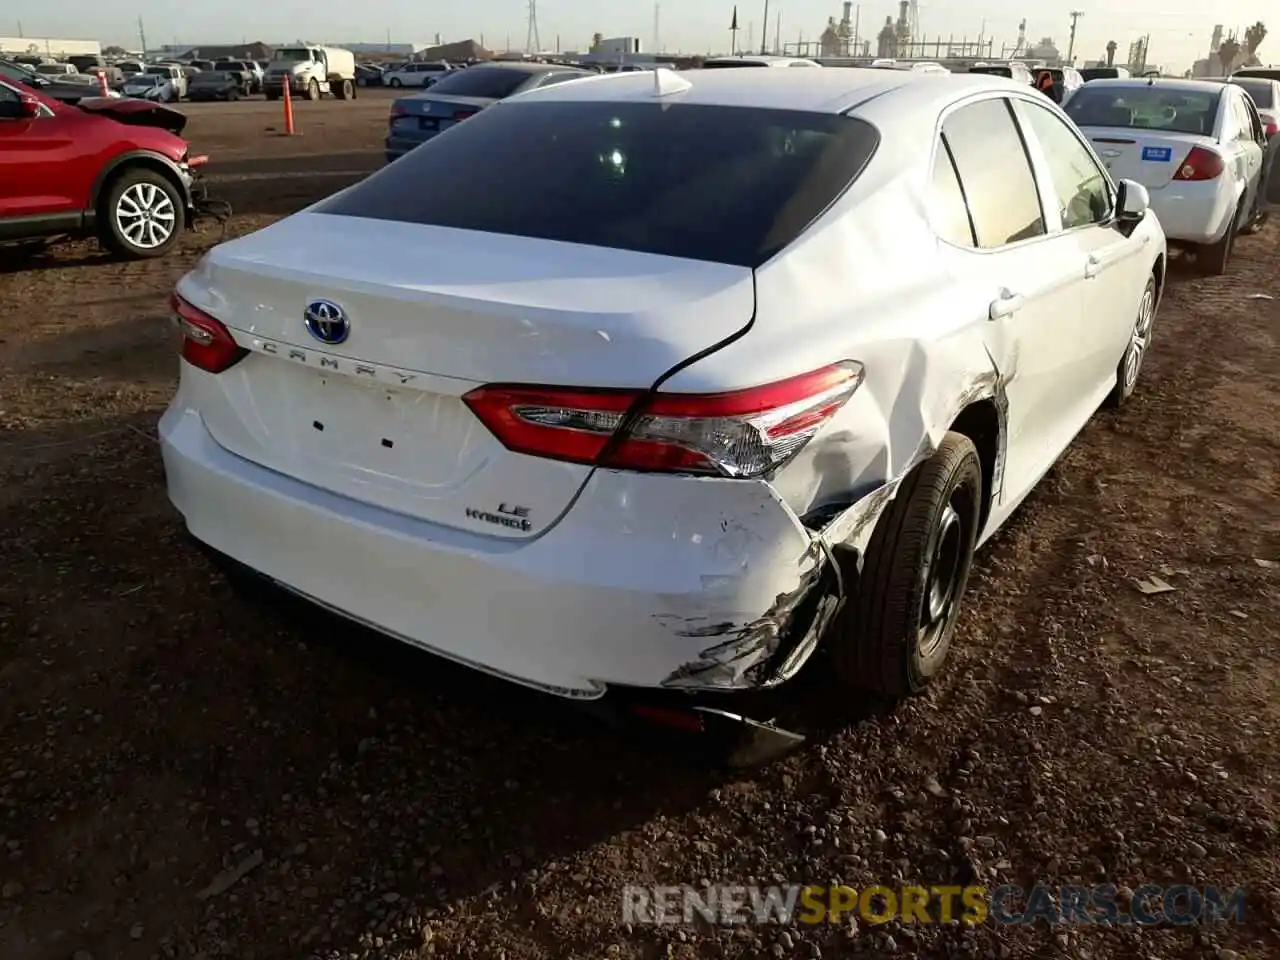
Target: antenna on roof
(667, 82)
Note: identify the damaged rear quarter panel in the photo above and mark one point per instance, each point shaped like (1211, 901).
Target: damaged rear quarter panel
(871, 288)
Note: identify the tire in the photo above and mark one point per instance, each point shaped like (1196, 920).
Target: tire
(896, 634)
(1212, 258)
(1130, 366)
(124, 230)
(395, 82)
(343, 90)
(361, 82)
(313, 90)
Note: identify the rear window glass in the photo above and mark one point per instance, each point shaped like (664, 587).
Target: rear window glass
(1263, 72)
(721, 64)
(994, 71)
(725, 184)
(1145, 107)
(1259, 90)
(491, 82)
(1100, 73)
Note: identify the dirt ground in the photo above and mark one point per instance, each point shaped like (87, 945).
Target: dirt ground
(156, 728)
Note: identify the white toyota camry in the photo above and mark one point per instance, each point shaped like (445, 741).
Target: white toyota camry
(667, 380)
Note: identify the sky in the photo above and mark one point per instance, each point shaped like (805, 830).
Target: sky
(1179, 32)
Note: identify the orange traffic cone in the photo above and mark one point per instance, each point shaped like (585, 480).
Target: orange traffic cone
(288, 109)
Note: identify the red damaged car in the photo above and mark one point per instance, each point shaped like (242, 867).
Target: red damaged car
(114, 168)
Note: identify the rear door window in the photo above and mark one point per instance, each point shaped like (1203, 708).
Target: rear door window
(725, 184)
(995, 173)
(947, 210)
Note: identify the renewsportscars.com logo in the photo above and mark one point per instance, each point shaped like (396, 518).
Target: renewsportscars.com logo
(1104, 904)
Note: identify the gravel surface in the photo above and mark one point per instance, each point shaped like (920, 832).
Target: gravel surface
(187, 772)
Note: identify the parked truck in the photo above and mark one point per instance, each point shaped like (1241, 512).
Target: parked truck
(312, 71)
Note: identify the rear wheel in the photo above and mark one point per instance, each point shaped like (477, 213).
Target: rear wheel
(895, 635)
(395, 82)
(141, 214)
(343, 90)
(1212, 258)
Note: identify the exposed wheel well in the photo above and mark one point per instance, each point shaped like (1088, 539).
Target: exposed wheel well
(134, 163)
(980, 422)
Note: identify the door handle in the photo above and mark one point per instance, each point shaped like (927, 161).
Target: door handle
(1005, 305)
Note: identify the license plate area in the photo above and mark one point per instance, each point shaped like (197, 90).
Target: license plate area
(429, 124)
(361, 424)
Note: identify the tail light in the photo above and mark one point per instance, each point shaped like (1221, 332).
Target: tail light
(1269, 123)
(463, 114)
(205, 342)
(743, 433)
(1201, 164)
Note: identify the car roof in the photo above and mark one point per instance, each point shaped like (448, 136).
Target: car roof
(518, 67)
(824, 91)
(1164, 83)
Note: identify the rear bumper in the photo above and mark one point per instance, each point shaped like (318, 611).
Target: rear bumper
(401, 143)
(1193, 212)
(649, 581)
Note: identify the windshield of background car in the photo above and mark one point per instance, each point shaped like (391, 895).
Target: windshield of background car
(723, 64)
(52, 69)
(1260, 90)
(724, 184)
(1150, 107)
(158, 72)
(229, 65)
(147, 80)
(492, 82)
(1006, 72)
(291, 54)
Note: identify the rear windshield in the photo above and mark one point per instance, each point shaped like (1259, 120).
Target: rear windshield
(491, 82)
(1260, 90)
(230, 65)
(726, 184)
(994, 71)
(1100, 73)
(1144, 107)
(721, 64)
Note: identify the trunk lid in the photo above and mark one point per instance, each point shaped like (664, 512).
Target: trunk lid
(1147, 157)
(432, 113)
(433, 313)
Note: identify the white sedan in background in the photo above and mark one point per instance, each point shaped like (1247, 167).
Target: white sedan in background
(729, 368)
(415, 74)
(1196, 145)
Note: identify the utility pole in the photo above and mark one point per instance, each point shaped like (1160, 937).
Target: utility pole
(532, 42)
(1071, 44)
(20, 29)
(777, 34)
(764, 34)
(657, 43)
(142, 36)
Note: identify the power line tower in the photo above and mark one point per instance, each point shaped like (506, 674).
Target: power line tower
(657, 42)
(1071, 44)
(532, 43)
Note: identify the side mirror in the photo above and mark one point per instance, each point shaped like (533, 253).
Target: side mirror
(25, 108)
(1132, 201)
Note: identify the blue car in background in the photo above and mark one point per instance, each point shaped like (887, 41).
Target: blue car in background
(464, 93)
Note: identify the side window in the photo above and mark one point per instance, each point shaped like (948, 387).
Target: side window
(1255, 122)
(947, 210)
(1084, 194)
(995, 173)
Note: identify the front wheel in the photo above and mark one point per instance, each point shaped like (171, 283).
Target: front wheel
(395, 82)
(141, 215)
(313, 90)
(1136, 350)
(895, 634)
